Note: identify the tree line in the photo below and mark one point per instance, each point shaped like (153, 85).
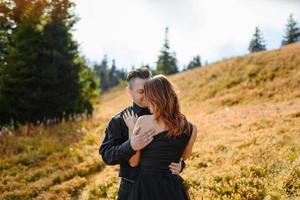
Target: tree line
(292, 35)
(167, 62)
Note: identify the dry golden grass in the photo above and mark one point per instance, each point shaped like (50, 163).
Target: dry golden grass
(247, 110)
(49, 160)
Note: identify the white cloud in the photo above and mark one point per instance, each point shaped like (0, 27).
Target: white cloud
(132, 31)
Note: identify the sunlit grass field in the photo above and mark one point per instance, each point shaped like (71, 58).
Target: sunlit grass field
(247, 110)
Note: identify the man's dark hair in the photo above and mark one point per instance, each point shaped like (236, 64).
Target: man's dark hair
(142, 73)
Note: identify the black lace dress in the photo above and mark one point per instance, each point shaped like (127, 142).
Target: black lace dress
(155, 180)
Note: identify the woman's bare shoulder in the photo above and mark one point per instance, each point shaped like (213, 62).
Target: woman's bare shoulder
(145, 119)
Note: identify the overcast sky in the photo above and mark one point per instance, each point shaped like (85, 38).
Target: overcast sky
(132, 31)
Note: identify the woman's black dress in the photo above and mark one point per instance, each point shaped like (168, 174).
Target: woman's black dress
(155, 180)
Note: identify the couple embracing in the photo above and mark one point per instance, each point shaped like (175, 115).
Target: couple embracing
(149, 140)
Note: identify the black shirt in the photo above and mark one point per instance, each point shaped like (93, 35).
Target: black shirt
(116, 148)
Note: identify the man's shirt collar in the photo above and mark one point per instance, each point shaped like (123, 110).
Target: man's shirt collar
(139, 110)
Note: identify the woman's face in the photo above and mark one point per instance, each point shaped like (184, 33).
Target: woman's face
(150, 107)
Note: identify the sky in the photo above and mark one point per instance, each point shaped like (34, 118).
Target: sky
(132, 31)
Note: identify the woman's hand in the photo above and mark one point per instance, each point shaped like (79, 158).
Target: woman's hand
(130, 119)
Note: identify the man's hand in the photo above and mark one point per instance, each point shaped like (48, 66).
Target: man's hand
(139, 141)
(175, 167)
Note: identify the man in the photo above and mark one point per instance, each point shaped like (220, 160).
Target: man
(116, 148)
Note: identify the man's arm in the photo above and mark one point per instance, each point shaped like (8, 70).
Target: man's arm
(115, 149)
(177, 168)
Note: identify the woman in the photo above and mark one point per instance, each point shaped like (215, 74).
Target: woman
(174, 140)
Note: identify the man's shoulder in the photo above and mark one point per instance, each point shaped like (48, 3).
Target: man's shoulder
(119, 115)
(117, 119)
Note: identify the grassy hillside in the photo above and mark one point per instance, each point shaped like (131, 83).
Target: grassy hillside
(247, 110)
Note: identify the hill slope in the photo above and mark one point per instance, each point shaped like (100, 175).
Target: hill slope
(247, 110)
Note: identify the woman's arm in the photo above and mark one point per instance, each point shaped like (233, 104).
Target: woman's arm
(135, 159)
(189, 147)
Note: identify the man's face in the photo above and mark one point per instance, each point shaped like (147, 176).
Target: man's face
(137, 92)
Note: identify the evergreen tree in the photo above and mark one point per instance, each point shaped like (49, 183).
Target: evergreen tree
(122, 74)
(109, 76)
(20, 72)
(102, 72)
(195, 62)
(113, 75)
(112, 72)
(18, 81)
(89, 84)
(257, 43)
(59, 59)
(292, 33)
(41, 76)
(167, 62)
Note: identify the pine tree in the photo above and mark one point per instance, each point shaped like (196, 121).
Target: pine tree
(113, 75)
(41, 78)
(109, 76)
(122, 74)
(195, 62)
(102, 72)
(257, 43)
(59, 73)
(167, 62)
(90, 84)
(20, 81)
(292, 33)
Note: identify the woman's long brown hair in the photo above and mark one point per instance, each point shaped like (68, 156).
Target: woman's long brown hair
(160, 93)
